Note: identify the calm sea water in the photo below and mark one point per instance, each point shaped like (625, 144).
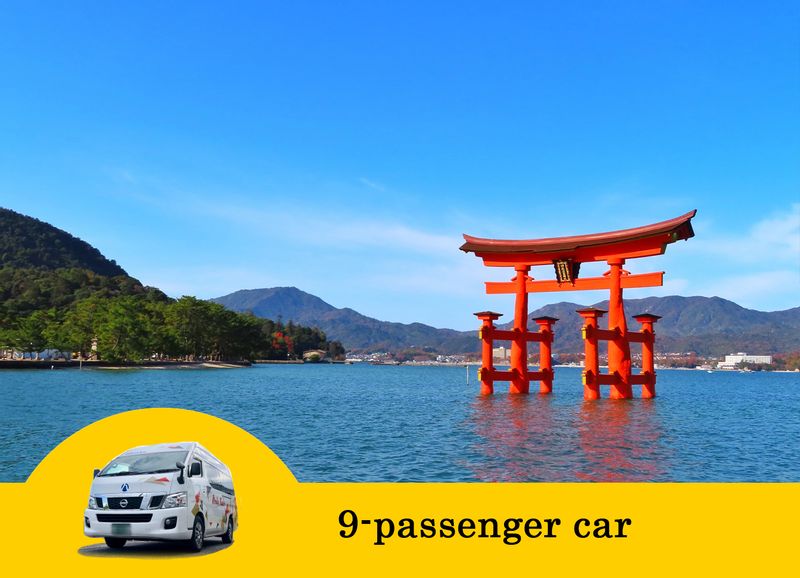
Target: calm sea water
(404, 423)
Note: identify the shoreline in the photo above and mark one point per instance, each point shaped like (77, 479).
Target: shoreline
(109, 365)
(24, 364)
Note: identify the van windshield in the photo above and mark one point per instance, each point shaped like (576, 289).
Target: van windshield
(153, 463)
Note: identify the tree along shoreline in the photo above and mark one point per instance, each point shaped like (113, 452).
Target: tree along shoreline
(150, 364)
(23, 364)
(88, 316)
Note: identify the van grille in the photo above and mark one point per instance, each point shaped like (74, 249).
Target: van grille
(155, 501)
(129, 518)
(132, 503)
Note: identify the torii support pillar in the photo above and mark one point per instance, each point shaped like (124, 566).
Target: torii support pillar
(648, 362)
(545, 352)
(591, 363)
(486, 334)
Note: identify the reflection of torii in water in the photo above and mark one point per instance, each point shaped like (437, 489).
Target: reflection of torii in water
(566, 254)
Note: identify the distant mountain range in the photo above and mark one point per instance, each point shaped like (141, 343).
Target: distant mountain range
(705, 325)
(357, 332)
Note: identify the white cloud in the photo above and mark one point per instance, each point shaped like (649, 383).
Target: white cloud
(304, 225)
(460, 276)
(759, 268)
(387, 235)
(753, 289)
(204, 281)
(372, 184)
(301, 223)
(774, 239)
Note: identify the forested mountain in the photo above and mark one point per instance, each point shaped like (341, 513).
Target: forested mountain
(704, 325)
(58, 292)
(26, 242)
(42, 267)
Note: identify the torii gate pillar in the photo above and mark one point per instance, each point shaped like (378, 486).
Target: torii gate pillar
(519, 345)
(619, 351)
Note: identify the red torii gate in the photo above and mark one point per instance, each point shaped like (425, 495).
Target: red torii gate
(566, 254)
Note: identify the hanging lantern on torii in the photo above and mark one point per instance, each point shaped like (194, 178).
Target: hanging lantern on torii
(565, 255)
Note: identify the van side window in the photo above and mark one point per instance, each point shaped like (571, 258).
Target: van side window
(195, 467)
(220, 481)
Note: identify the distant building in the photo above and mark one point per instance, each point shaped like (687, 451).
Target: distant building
(500, 353)
(314, 355)
(732, 360)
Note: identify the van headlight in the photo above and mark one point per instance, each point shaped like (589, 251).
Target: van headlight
(93, 503)
(175, 500)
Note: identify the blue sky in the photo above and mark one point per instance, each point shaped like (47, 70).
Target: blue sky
(344, 147)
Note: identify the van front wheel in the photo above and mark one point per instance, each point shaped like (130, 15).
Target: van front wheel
(115, 543)
(227, 537)
(198, 534)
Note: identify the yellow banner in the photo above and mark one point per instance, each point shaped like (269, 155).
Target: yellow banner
(393, 529)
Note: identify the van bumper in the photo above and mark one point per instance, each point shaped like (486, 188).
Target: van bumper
(150, 530)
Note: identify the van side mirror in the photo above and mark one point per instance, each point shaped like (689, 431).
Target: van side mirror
(180, 466)
(195, 470)
(96, 471)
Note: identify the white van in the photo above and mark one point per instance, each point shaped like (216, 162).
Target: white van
(173, 491)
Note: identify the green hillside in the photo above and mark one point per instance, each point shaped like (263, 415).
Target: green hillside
(26, 242)
(43, 268)
(59, 292)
